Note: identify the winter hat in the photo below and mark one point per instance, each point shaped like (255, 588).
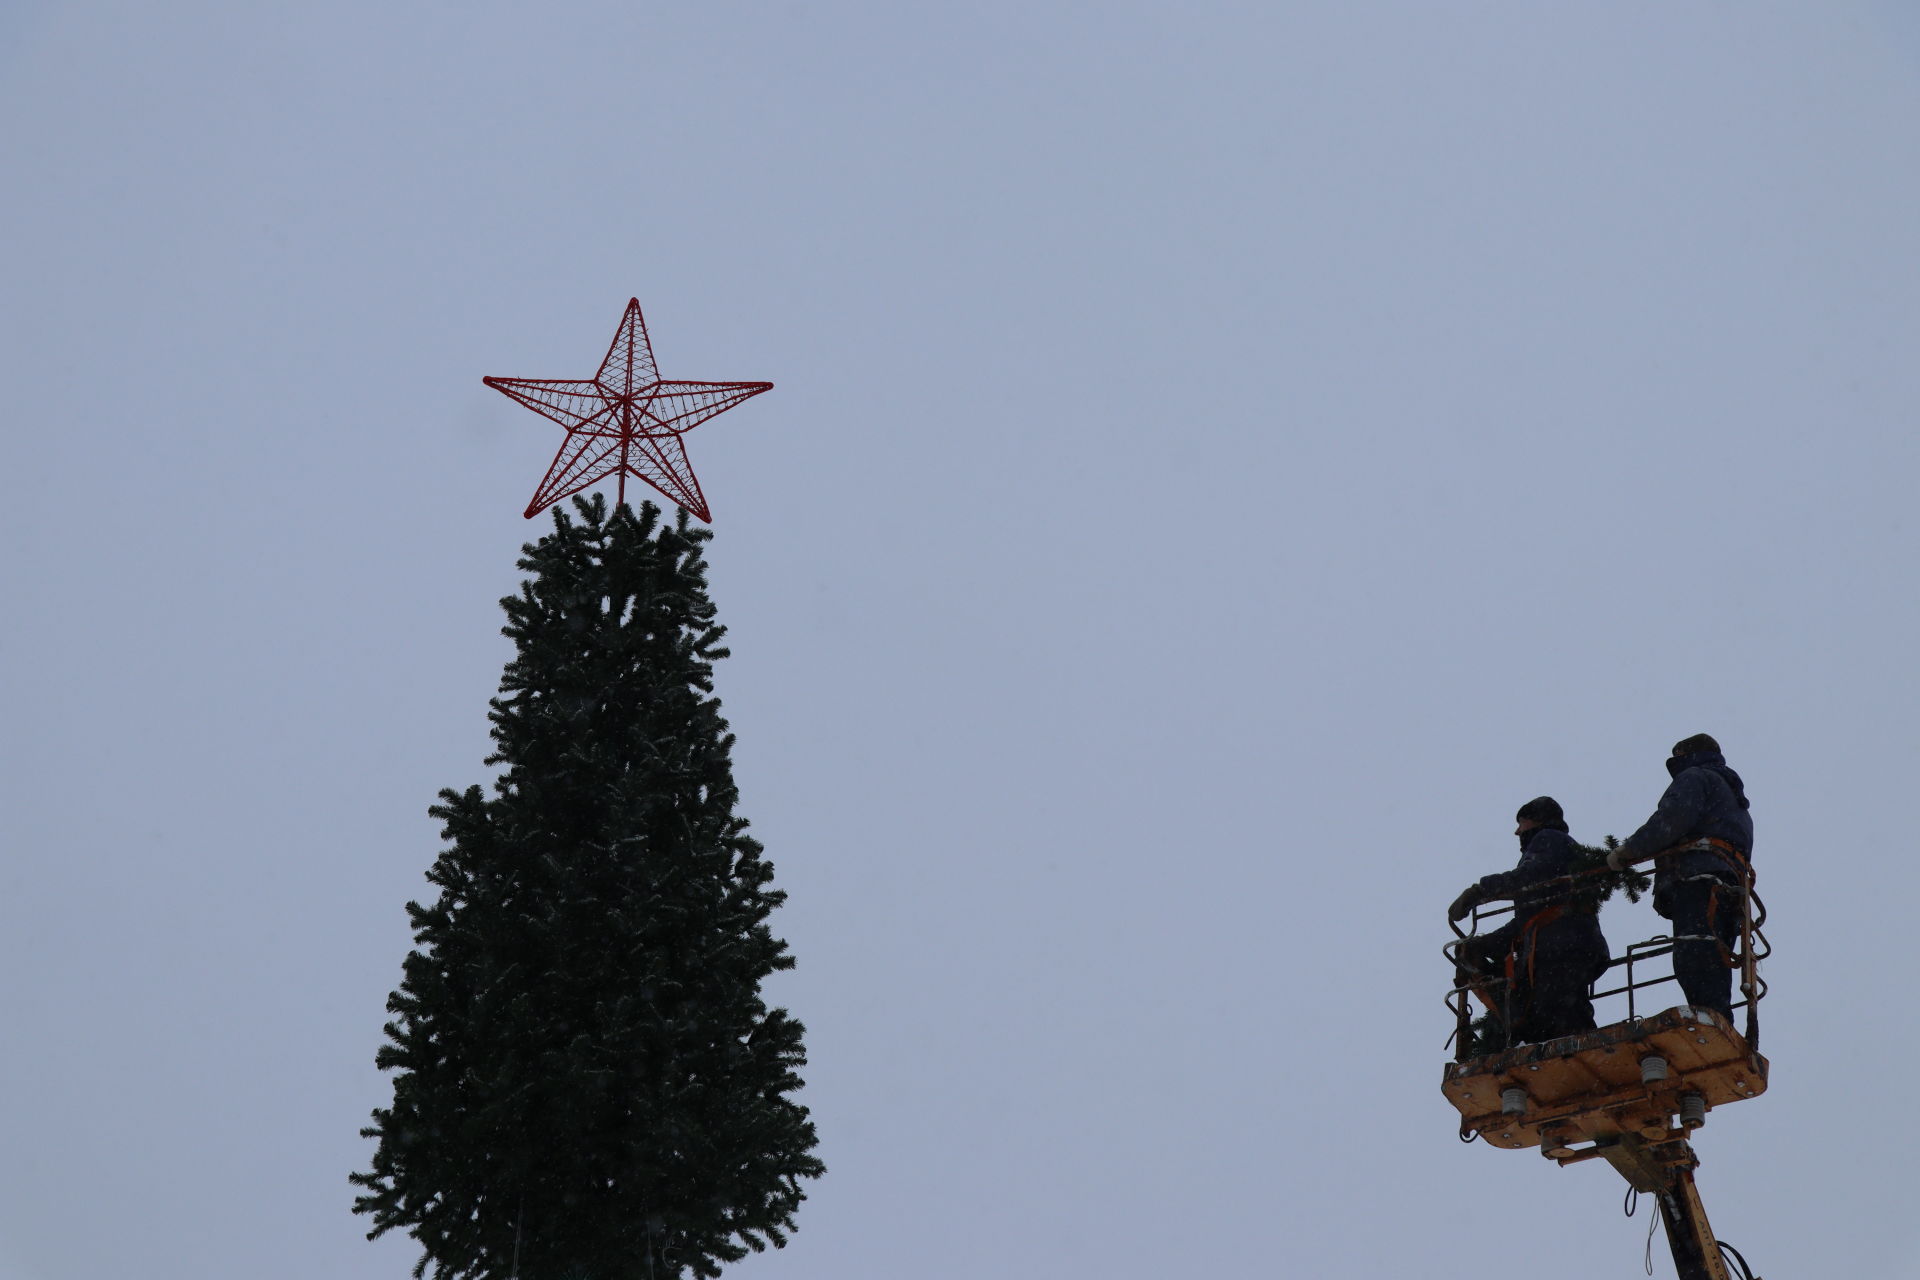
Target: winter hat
(1697, 743)
(1544, 810)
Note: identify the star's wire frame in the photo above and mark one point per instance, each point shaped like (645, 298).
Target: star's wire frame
(625, 421)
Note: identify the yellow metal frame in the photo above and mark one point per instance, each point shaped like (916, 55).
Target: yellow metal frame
(1590, 1087)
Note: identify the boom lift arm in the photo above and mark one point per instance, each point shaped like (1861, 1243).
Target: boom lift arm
(1665, 1171)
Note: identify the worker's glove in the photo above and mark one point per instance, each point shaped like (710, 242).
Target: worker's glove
(1464, 904)
(1617, 859)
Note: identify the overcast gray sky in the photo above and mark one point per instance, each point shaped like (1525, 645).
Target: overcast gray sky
(1223, 459)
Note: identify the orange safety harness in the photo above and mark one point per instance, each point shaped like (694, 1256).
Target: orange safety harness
(1737, 861)
(1713, 844)
(1526, 939)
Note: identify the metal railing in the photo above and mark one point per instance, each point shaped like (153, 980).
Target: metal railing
(1495, 989)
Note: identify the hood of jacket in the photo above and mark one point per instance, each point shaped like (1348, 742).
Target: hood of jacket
(1715, 762)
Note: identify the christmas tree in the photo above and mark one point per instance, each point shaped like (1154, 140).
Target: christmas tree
(588, 1084)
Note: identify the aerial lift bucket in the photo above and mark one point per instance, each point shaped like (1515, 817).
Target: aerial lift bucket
(1629, 1077)
(1630, 1093)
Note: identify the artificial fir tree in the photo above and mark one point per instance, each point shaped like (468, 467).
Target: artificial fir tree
(588, 1085)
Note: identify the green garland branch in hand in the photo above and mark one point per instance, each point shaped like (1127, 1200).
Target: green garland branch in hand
(1595, 881)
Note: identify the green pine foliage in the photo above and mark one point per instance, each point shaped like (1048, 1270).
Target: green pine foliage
(1595, 881)
(588, 1085)
(1486, 1035)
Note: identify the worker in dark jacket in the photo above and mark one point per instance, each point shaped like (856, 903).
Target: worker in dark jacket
(1701, 838)
(1552, 950)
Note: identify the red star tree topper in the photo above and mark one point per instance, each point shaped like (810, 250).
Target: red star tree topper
(625, 421)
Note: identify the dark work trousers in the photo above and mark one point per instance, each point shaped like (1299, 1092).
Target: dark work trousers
(1554, 965)
(1708, 909)
(1487, 952)
(1554, 969)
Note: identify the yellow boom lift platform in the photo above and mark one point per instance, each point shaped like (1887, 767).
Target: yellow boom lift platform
(1631, 1093)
